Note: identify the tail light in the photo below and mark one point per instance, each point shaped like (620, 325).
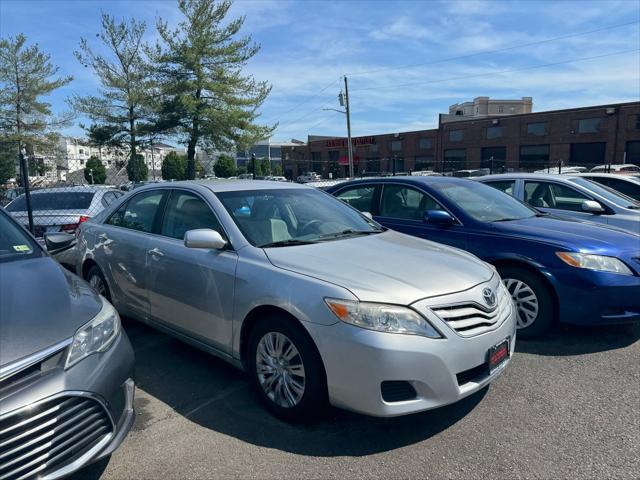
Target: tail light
(73, 227)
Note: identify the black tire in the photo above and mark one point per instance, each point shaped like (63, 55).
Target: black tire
(314, 399)
(95, 275)
(545, 317)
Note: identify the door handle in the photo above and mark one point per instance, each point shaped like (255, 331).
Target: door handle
(156, 252)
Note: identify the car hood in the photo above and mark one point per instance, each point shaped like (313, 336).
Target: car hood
(388, 267)
(586, 236)
(41, 304)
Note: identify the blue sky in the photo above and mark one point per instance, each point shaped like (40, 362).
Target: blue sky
(416, 53)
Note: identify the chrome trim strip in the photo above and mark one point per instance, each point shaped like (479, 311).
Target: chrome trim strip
(26, 362)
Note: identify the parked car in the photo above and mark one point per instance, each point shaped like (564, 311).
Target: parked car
(309, 177)
(616, 168)
(62, 209)
(66, 366)
(570, 196)
(280, 279)
(628, 185)
(276, 178)
(563, 170)
(469, 173)
(426, 173)
(554, 269)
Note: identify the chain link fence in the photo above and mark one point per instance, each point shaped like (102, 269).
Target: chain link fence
(64, 196)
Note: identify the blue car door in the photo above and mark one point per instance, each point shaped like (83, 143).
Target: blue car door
(402, 208)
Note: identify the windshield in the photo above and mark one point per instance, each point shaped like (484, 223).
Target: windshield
(273, 218)
(610, 194)
(14, 241)
(483, 203)
(53, 201)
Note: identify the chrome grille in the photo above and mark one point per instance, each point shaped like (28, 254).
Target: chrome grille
(49, 435)
(471, 318)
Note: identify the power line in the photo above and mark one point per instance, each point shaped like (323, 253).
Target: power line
(499, 72)
(320, 92)
(504, 49)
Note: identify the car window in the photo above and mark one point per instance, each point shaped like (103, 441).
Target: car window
(401, 201)
(607, 192)
(186, 211)
(43, 200)
(506, 186)
(627, 188)
(360, 197)
(553, 195)
(108, 198)
(15, 243)
(139, 213)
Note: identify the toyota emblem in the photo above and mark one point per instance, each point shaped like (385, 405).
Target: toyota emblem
(489, 297)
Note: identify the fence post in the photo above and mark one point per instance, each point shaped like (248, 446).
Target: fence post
(24, 172)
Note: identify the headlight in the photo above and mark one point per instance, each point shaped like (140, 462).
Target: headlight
(594, 262)
(382, 317)
(95, 336)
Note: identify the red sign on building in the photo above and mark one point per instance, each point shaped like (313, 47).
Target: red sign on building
(342, 142)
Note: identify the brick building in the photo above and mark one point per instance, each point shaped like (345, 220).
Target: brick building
(586, 136)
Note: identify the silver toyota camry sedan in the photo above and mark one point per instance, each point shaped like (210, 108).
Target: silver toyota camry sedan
(316, 301)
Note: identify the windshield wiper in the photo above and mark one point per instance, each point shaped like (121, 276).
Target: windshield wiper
(287, 243)
(350, 232)
(508, 219)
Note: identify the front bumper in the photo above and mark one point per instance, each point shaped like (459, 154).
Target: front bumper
(102, 382)
(357, 361)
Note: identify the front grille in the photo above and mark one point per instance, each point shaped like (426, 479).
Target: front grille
(397, 391)
(41, 439)
(469, 319)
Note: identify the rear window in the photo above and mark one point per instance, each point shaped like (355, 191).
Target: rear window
(14, 241)
(53, 201)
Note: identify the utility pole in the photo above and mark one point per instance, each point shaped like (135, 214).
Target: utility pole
(348, 111)
(25, 183)
(253, 166)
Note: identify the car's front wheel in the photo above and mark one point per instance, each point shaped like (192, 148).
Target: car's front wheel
(286, 369)
(533, 301)
(97, 281)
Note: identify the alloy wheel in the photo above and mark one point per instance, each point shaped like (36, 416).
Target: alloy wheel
(280, 369)
(525, 299)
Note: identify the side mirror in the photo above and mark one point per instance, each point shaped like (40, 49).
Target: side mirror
(438, 217)
(592, 206)
(58, 242)
(204, 238)
(368, 215)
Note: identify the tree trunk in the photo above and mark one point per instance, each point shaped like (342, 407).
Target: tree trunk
(191, 152)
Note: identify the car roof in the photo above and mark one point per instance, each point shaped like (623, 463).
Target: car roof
(418, 179)
(73, 189)
(539, 176)
(225, 185)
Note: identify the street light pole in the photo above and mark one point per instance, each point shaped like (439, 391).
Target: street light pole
(348, 111)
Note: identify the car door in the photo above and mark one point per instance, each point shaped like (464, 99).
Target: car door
(121, 246)
(360, 197)
(402, 208)
(191, 290)
(559, 200)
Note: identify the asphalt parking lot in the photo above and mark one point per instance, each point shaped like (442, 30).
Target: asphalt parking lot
(567, 407)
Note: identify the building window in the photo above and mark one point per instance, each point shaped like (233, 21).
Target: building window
(316, 162)
(456, 135)
(424, 162)
(534, 157)
(454, 159)
(372, 165)
(538, 128)
(81, 162)
(589, 125)
(396, 146)
(638, 122)
(494, 132)
(500, 109)
(425, 143)
(81, 151)
(459, 113)
(397, 165)
(373, 148)
(588, 154)
(494, 158)
(633, 151)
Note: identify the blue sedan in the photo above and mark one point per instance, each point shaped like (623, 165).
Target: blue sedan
(555, 269)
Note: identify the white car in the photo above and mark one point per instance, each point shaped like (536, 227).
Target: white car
(616, 168)
(308, 177)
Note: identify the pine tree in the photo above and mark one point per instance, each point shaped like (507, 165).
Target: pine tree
(206, 100)
(94, 171)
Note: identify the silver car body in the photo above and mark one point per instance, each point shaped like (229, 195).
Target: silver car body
(208, 297)
(620, 211)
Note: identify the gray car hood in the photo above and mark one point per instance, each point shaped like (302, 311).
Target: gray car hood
(388, 267)
(40, 304)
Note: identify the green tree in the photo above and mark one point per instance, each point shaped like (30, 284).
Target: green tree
(225, 167)
(265, 166)
(27, 75)
(258, 167)
(137, 170)
(241, 170)
(206, 100)
(102, 136)
(94, 171)
(123, 105)
(8, 162)
(277, 170)
(174, 167)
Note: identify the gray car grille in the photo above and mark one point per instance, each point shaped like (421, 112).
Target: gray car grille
(469, 319)
(45, 437)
